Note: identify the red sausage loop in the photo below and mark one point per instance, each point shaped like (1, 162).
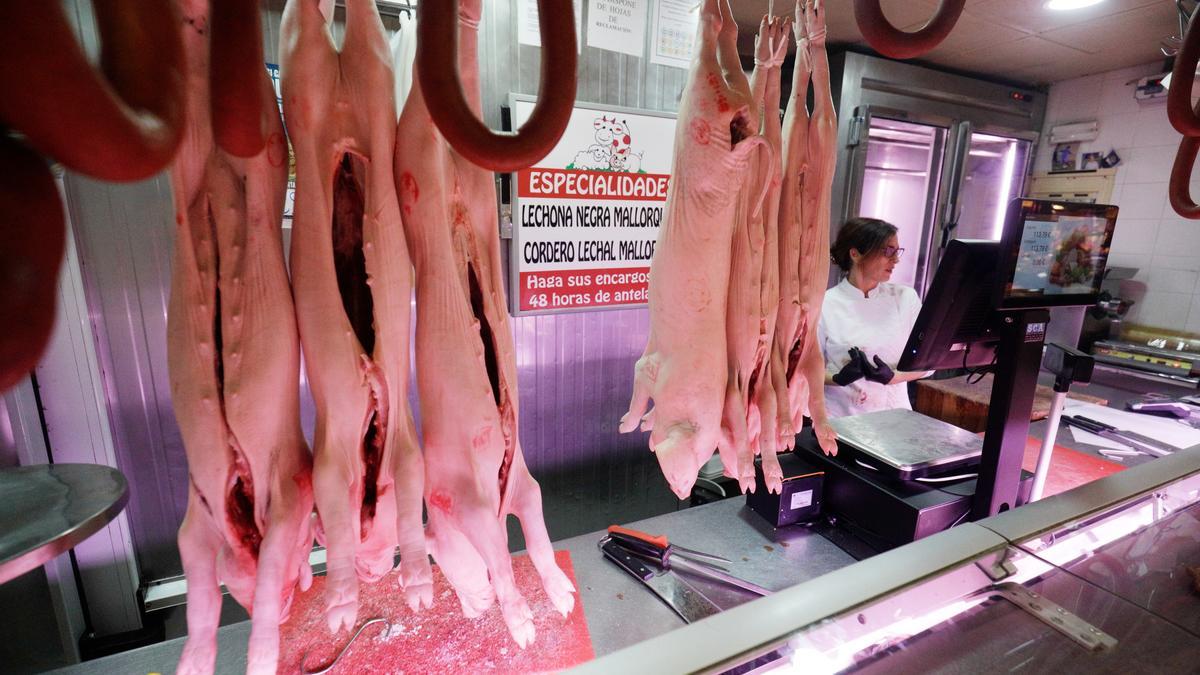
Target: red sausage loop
(897, 44)
(1179, 190)
(122, 126)
(1183, 76)
(234, 77)
(437, 72)
(32, 240)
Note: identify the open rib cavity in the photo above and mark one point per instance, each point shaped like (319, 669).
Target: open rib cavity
(239, 496)
(492, 363)
(349, 262)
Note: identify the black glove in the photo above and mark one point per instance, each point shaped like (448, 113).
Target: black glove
(878, 372)
(853, 370)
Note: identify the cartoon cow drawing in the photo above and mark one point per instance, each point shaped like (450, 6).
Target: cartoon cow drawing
(611, 150)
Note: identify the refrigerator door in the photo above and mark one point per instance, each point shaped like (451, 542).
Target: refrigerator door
(895, 174)
(993, 174)
(984, 169)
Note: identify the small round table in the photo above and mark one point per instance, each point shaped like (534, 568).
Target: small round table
(47, 509)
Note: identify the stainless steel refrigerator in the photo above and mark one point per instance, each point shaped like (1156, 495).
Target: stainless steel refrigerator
(936, 154)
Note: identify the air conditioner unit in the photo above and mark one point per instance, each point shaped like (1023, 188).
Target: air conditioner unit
(1079, 131)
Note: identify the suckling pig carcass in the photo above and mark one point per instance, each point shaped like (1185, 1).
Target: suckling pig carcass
(352, 277)
(475, 473)
(684, 366)
(234, 360)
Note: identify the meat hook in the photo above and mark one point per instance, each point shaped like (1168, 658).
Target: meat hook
(897, 44)
(437, 72)
(329, 666)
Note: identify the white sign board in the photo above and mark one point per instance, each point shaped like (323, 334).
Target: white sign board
(675, 23)
(586, 217)
(617, 25)
(528, 32)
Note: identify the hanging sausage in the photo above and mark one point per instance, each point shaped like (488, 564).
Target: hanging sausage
(1186, 121)
(121, 124)
(437, 46)
(897, 44)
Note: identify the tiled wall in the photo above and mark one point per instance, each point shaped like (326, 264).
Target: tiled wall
(1149, 236)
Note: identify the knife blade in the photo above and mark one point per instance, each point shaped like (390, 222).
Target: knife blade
(690, 604)
(1151, 445)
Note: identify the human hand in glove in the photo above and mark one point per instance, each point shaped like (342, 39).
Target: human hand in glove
(876, 371)
(853, 370)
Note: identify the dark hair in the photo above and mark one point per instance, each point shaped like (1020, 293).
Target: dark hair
(867, 235)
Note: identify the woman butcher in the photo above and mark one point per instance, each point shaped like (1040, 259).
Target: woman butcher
(865, 322)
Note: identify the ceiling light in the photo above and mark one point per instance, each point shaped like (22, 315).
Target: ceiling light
(1071, 4)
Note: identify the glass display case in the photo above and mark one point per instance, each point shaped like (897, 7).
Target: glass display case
(1104, 578)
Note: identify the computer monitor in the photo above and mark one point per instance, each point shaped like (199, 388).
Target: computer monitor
(1051, 254)
(1055, 253)
(954, 327)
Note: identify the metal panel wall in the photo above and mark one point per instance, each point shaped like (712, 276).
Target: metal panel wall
(575, 370)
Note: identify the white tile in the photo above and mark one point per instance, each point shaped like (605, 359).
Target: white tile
(1151, 164)
(1140, 262)
(1133, 237)
(1165, 280)
(1041, 161)
(1163, 310)
(1074, 100)
(1153, 128)
(1122, 75)
(1117, 96)
(1177, 236)
(1193, 324)
(1173, 262)
(1143, 200)
(1116, 131)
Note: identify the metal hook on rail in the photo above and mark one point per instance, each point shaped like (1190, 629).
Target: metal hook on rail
(437, 72)
(897, 44)
(238, 110)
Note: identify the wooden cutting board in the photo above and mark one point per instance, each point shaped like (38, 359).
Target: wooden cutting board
(966, 405)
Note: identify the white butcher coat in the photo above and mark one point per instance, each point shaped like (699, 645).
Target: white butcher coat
(878, 325)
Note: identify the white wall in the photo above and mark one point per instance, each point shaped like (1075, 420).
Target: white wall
(1150, 236)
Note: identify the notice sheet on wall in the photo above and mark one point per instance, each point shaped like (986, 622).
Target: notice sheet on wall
(527, 23)
(586, 217)
(617, 25)
(674, 33)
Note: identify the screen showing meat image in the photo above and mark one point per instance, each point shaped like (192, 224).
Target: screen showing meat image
(1060, 255)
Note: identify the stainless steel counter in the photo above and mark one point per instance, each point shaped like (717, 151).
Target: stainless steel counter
(619, 610)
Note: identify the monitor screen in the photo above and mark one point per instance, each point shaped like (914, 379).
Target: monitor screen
(1057, 252)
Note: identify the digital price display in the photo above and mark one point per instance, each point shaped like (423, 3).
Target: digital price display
(1060, 255)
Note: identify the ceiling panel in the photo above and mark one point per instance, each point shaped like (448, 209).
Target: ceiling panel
(1031, 16)
(1014, 39)
(1139, 28)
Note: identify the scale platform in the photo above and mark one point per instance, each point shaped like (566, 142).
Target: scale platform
(907, 445)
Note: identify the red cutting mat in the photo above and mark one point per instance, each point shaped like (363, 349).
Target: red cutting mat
(438, 640)
(1068, 468)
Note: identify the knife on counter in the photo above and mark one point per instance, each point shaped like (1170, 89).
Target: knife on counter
(690, 604)
(1137, 441)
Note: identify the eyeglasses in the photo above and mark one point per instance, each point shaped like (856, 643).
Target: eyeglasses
(892, 251)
